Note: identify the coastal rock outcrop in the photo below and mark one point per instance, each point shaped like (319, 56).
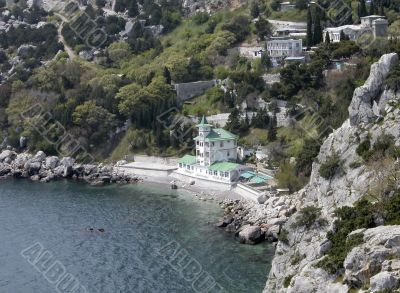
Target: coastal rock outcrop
(39, 167)
(295, 265)
(269, 217)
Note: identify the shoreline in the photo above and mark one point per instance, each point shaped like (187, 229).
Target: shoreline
(251, 222)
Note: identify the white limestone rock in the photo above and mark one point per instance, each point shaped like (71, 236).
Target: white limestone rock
(360, 109)
(384, 281)
(342, 190)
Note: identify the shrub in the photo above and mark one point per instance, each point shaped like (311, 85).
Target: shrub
(308, 216)
(393, 79)
(363, 149)
(287, 280)
(296, 259)
(283, 236)
(349, 219)
(330, 167)
(200, 18)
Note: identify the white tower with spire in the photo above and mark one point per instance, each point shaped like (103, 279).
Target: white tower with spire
(203, 156)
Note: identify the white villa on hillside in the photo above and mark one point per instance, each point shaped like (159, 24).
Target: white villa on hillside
(280, 48)
(374, 24)
(216, 153)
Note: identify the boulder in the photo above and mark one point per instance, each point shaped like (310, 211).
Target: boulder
(67, 162)
(25, 51)
(40, 156)
(5, 169)
(52, 162)
(32, 167)
(7, 154)
(384, 281)
(250, 235)
(121, 163)
(21, 160)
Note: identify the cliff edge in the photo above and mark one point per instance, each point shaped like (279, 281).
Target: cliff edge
(374, 111)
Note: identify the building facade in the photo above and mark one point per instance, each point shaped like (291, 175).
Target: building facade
(374, 24)
(280, 48)
(216, 154)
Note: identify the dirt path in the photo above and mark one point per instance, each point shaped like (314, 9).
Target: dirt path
(68, 49)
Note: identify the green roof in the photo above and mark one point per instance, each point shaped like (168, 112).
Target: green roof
(224, 166)
(203, 122)
(219, 134)
(188, 160)
(258, 180)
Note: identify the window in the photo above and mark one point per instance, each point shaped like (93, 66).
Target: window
(180, 165)
(212, 143)
(228, 154)
(221, 144)
(226, 174)
(215, 173)
(188, 167)
(192, 168)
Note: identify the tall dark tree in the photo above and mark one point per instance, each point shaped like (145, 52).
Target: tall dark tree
(363, 9)
(372, 8)
(381, 10)
(255, 9)
(309, 28)
(317, 34)
(272, 129)
(327, 38)
(133, 8)
(301, 4)
(233, 124)
(343, 36)
(167, 75)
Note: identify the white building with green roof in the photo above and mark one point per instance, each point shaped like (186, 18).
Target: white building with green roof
(216, 153)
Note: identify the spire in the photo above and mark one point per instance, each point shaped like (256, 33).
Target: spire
(203, 122)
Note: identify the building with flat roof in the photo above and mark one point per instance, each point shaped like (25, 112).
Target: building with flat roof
(280, 48)
(374, 24)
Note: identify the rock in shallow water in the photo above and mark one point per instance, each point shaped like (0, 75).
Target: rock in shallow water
(250, 235)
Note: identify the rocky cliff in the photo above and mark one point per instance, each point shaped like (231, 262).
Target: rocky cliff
(193, 6)
(374, 110)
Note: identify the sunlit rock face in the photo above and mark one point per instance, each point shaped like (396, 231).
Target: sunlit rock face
(374, 111)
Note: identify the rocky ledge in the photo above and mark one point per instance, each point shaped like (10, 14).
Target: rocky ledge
(40, 167)
(253, 223)
(375, 263)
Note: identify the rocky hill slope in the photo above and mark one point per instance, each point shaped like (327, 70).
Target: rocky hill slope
(191, 6)
(374, 111)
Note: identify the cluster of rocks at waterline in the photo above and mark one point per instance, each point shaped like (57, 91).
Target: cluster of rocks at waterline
(253, 222)
(40, 167)
(374, 110)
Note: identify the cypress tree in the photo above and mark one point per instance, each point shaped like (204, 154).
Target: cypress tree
(342, 36)
(327, 38)
(317, 35)
(363, 9)
(309, 28)
(372, 8)
(272, 129)
(381, 10)
(167, 75)
(133, 8)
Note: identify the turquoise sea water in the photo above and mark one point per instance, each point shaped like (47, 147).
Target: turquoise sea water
(72, 237)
